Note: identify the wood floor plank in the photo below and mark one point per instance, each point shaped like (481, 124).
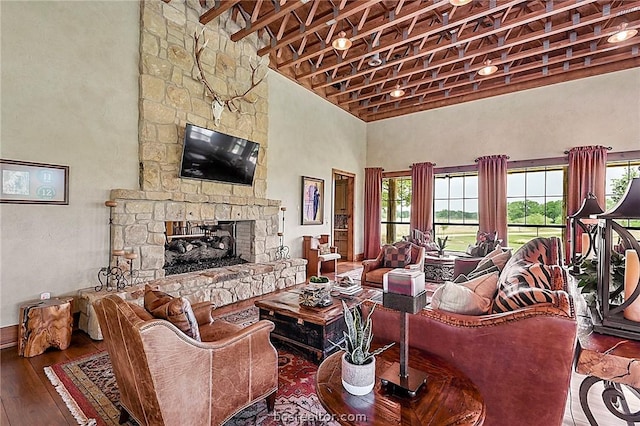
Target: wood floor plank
(25, 398)
(4, 419)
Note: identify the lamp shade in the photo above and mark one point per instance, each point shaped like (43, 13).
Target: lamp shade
(629, 205)
(590, 206)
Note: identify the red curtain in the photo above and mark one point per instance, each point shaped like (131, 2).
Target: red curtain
(492, 195)
(372, 205)
(587, 173)
(422, 196)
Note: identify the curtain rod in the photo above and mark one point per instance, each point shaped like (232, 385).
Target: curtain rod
(478, 159)
(609, 148)
(433, 164)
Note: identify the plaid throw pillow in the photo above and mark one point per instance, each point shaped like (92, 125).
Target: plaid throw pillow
(324, 248)
(396, 256)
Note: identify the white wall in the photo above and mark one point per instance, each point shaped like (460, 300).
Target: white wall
(309, 136)
(69, 96)
(537, 123)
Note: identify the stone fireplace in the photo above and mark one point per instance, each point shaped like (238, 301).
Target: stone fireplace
(139, 225)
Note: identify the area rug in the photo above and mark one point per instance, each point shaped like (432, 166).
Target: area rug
(355, 274)
(88, 387)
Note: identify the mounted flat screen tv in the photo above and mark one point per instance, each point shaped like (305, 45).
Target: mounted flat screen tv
(211, 155)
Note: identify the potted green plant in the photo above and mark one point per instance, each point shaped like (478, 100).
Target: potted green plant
(588, 279)
(442, 243)
(358, 363)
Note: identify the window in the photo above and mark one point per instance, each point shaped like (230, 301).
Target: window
(618, 177)
(395, 216)
(535, 204)
(455, 203)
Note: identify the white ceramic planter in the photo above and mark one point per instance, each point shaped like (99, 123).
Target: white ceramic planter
(358, 379)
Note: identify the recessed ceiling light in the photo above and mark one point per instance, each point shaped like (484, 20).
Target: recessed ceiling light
(622, 34)
(488, 69)
(397, 92)
(459, 2)
(342, 42)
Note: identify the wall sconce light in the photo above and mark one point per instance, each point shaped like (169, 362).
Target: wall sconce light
(342, 42)
(622, 34)
(488, 69)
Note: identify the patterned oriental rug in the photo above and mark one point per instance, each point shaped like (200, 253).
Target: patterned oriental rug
(88, 387)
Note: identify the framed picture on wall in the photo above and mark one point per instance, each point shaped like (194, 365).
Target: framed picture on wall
(33, 183)
(312, 201)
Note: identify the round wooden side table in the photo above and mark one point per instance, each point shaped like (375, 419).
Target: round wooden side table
(449, 397)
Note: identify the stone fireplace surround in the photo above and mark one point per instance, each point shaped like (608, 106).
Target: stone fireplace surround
(139, 227)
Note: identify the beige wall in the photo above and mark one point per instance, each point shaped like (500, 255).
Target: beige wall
(69, 96)
(537, 123)
(309, 136)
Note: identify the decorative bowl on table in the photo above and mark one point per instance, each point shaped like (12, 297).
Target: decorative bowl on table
(315, 295)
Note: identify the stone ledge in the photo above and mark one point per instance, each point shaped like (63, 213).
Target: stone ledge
(130, 194)
(222, 286)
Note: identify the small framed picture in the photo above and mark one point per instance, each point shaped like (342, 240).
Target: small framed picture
(312, 201)
(33, 183)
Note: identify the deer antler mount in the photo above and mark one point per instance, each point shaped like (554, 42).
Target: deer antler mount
(218, 103)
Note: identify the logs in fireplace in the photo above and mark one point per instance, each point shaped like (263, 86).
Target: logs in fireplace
(200, 246)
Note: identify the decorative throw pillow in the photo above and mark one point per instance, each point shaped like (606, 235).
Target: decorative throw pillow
(473, 297)
(176, 310)
(397, 256)
(497, 257)
(324, 248)
(527, 285)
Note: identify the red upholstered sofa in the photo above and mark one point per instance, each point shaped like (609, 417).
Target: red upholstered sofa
(520, 360)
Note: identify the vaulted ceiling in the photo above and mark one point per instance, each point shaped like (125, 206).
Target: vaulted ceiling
(432, 49)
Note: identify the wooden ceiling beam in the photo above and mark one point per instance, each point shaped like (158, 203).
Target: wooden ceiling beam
(221, 7)
(567, 5)
(501, 90)
(373, 26)
(590, 20)
(517, 57)
(320, 23)
(267, 19)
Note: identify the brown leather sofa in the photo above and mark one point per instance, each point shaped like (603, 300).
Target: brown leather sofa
(520, 360)
(373, 270)
(167, 378)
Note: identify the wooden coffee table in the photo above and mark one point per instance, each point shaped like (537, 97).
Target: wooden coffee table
(449, 397)
(309, 329)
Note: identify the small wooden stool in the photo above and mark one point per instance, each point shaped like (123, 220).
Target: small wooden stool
(44, 324)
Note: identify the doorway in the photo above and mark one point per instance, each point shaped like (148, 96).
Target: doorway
(343, 213)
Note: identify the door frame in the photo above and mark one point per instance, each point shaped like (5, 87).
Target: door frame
(351, 205)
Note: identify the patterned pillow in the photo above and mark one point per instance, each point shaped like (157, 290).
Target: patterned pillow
(397, 256)
(527, 285)
(324, 248)
(176, 310)
(473, 297)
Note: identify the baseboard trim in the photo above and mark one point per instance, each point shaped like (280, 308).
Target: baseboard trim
(9, 336)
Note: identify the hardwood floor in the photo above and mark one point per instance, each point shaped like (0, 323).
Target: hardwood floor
(27, 397)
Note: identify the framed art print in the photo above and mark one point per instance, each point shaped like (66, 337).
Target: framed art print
(312, 201)
(33, 183)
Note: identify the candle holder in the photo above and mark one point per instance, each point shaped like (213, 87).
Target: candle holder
(609, 315)
(110, 276)
(282, 252)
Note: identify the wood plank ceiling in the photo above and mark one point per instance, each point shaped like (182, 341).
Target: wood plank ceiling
(432, 49)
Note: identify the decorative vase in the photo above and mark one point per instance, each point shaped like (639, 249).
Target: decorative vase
(358, 379)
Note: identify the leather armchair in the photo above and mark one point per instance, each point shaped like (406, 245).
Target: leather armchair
(165, 377)
(373, 270)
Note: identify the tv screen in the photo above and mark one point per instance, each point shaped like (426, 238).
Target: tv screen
(211, 155)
